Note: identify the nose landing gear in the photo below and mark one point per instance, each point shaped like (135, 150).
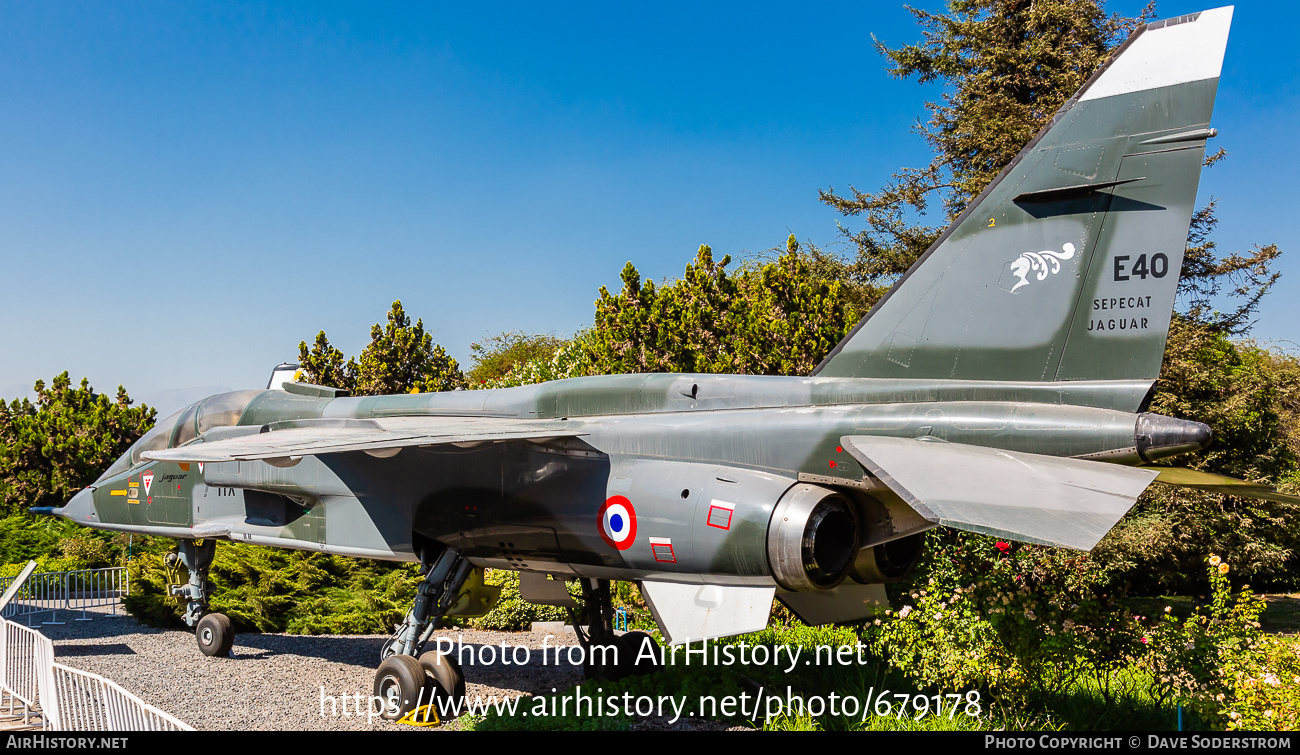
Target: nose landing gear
(212, 631)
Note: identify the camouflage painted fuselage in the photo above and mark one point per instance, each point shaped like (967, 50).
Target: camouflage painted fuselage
(673, 445)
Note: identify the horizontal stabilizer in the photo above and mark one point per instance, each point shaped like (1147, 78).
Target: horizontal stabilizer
(299, 438)
(1216, 483)
(1020, 496)
(694, 612)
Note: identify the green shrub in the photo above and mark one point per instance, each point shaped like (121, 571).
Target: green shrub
(274, 590)
(513, 613)
(89, 551)
(1218, 663)
(1266, 696)
(1028, 621)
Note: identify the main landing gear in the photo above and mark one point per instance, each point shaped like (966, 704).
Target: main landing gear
(609, 656)
(212, 630)
(408, 677)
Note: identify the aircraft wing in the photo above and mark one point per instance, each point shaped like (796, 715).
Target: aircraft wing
(1021, 496)
(297, 438)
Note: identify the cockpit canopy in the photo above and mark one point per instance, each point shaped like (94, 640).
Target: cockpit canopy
(221, 410)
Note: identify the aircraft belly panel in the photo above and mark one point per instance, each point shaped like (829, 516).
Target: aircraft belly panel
(692, 612)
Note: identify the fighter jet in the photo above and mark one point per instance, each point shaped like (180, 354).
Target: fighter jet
(1000, 387)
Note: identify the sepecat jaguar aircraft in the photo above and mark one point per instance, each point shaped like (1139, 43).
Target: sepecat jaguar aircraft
(999, 387)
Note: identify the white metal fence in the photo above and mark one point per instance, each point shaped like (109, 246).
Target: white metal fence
(83, 701)
(66, 698)
(19, 681)
(69, 699)
(69, 591)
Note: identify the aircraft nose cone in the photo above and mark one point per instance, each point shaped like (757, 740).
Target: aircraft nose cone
(80, 508)
(1158, 436)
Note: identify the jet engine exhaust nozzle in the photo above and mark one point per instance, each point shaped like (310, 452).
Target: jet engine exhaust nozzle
(1158, 436)
(813, 538)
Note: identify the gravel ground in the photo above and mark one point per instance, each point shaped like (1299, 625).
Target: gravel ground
(274, 681)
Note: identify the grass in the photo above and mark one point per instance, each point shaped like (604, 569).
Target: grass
(1282, 616)
(1126, 705)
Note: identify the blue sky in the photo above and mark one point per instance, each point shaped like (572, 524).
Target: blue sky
(187, 190)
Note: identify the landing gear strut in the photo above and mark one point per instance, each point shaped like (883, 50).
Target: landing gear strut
(408, 677)
(609, 656)
(213, 631)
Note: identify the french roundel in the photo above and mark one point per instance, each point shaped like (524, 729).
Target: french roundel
(618, 522)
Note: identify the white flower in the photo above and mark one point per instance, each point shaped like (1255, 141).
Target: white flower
(1190, 646)
(1214, 560)
(1268, 714)
(1271, 680)
(1030, 615)
(1168, 609)
(938, 615)
(903, 613)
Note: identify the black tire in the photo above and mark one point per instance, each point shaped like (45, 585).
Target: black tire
(631, 645)
(445, 679)
(215, 635)
(399, 682)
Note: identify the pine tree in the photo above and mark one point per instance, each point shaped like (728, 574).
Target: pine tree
(400, 358)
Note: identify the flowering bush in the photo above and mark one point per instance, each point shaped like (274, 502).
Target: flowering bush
(1021, 619)
(1218, 663)
(568, 361)
(1267, 696)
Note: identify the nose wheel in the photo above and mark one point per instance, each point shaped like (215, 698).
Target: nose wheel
(215, 635)
(212, 631)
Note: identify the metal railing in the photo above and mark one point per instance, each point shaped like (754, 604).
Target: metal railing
(69, 591)
(83, 701)
(69, 699)
(19, 678)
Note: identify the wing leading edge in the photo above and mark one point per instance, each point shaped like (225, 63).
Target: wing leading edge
(315, 437)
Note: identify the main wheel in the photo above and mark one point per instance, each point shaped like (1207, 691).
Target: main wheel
(445, 679)
(632, 655)
(215, 635)
(400, 682)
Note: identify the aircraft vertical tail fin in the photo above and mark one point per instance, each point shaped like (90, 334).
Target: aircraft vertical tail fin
(1066, 266)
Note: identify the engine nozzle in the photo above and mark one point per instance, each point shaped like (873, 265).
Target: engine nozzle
(813, 538)
(1158, 436)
